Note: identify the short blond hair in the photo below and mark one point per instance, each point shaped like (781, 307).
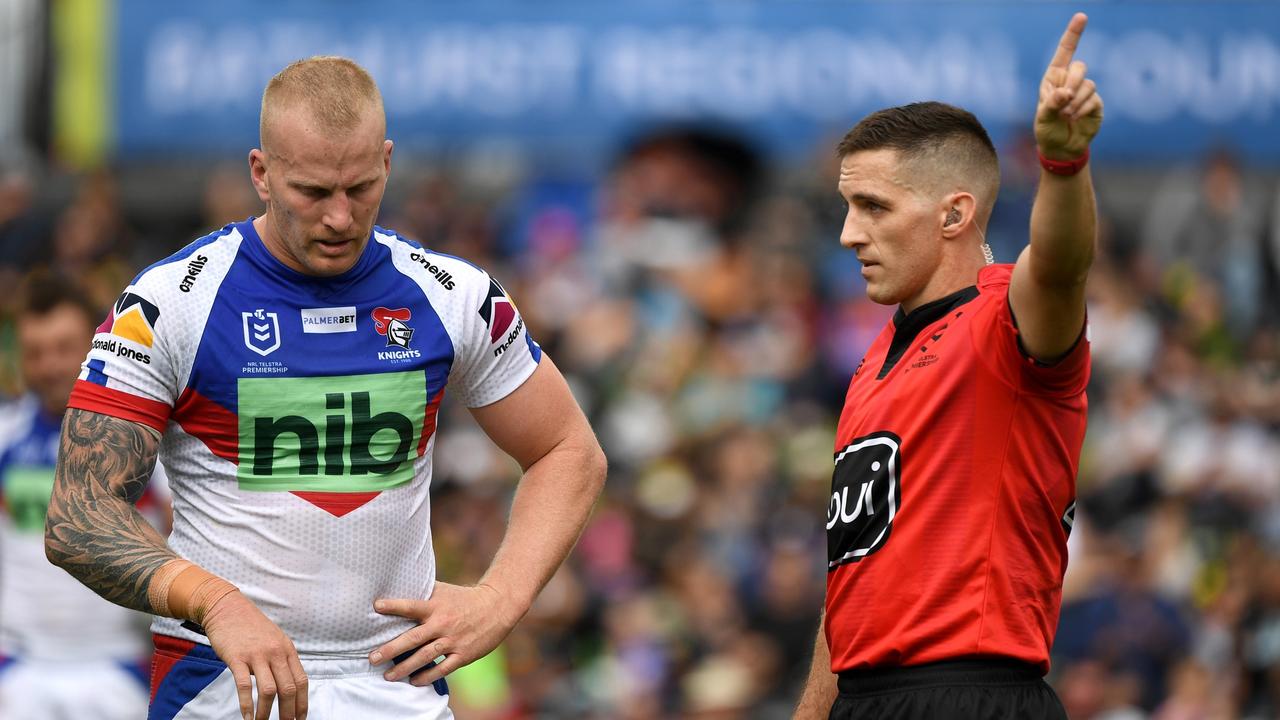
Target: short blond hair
(336, 91)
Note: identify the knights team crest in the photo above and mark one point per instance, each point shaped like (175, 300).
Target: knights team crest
(394, 325)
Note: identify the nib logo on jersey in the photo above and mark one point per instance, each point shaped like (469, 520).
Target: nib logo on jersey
(393, 324)
(132, 318)
(498, 312)
(865, 492)
(346, 434)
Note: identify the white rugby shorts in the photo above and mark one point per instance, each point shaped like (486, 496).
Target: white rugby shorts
(189, 682)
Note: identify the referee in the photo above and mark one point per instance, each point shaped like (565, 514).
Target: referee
(956, 453)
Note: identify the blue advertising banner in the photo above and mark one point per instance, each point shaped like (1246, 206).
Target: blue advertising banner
(567, 80)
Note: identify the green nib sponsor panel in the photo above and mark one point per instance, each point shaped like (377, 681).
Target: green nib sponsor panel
(26, 496)
(345, 433)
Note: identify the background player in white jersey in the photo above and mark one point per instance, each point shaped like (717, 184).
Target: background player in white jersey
(64, 653)
(286, 369)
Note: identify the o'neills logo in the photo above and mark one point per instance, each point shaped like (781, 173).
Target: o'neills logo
(193, 269)
(441, 275)
(865, 495)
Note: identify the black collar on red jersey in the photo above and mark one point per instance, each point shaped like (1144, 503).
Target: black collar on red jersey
(906, 326)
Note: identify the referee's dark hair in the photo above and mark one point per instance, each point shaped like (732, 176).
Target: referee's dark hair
(943, 140)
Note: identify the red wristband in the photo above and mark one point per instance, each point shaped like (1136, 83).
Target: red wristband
(1064, 167)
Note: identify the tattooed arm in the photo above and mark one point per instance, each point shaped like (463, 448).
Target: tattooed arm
(93, 531)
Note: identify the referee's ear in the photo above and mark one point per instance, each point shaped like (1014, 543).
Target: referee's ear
(956, 215)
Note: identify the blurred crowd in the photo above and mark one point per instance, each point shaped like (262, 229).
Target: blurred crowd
(698, 300)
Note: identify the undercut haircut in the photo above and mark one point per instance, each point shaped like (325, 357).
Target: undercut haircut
(941, 143)
(337, 93)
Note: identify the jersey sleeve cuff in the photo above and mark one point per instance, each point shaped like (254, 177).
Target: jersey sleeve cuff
(492, 393)
(1068, 373)
(116, 403)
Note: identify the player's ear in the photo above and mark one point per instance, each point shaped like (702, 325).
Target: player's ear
(258, 173)
(387, 147)
(957, 214)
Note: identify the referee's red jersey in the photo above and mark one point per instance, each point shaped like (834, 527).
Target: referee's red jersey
(954, 489)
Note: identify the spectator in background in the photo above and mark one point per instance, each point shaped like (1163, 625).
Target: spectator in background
(1124, 623)
(19, 228)
(1271, 255)
(89, 243)
(1019, 177)
(1259, 636)
(674, 217)
(1181, 473)
(1096, 690)
(20, 231)
(227, 198)
(64, 652)
(1208, 226)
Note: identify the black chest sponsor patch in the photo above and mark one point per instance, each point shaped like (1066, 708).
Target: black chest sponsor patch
(865, 494)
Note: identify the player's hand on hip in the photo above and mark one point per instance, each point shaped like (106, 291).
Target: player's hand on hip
(253, 646)
(459, 624)
(1070, 109)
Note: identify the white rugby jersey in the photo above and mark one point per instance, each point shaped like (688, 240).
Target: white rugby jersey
(45, 614)
(298, 416)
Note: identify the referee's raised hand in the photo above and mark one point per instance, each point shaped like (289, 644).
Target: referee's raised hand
(1070, 109)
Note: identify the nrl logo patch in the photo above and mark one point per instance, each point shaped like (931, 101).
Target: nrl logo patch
(261, 331)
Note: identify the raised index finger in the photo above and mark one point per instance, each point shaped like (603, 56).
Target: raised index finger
(1070, 40)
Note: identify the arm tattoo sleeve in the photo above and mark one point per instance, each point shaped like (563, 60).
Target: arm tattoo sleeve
(93, 530)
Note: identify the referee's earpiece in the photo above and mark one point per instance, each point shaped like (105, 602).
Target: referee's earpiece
(953, 217)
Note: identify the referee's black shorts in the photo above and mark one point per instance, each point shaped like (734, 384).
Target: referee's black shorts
(980, 689)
